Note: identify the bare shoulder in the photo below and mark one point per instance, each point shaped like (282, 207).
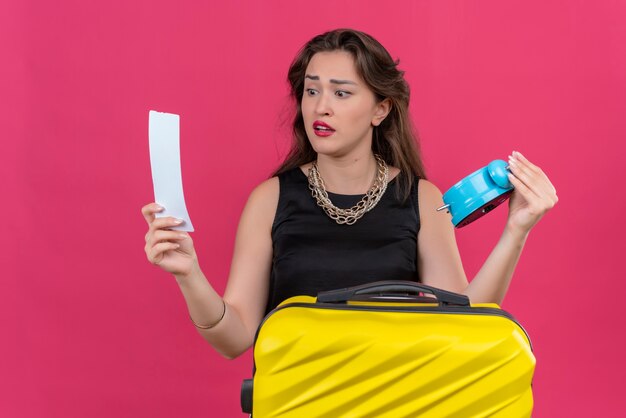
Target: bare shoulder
(263, 201)
(429, 200)
(268, 189)
(428, 194)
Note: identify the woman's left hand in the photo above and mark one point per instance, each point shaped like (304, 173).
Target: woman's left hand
(533, 196)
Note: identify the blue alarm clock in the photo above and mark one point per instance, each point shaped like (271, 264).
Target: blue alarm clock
(478, 194)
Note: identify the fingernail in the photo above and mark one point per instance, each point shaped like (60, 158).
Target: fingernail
(159, 207)
(183, 236)
(512, 161)
(178, 221)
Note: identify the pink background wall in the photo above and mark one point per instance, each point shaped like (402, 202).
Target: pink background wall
(90, 328)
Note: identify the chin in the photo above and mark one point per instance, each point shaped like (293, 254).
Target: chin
(325, 147)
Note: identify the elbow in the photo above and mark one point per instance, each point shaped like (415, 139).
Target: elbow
(230, 354)
(230, 351)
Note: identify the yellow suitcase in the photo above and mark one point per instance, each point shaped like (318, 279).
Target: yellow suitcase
(389, 350)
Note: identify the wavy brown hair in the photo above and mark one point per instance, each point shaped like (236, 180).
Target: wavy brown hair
(394, 139)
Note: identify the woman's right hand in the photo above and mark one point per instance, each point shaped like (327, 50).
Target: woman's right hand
(173, 251)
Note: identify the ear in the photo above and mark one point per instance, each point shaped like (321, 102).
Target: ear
(382, 110)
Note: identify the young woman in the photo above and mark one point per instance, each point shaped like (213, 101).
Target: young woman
(349, 205)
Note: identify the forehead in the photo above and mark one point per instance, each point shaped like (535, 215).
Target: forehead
(333, 64)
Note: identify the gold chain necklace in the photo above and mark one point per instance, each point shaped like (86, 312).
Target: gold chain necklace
(353, 214)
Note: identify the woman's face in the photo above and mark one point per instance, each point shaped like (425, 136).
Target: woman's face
(338, 108)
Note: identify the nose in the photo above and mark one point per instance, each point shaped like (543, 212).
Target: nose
(323, 105)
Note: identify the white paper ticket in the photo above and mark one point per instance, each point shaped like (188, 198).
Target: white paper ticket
(164, 139)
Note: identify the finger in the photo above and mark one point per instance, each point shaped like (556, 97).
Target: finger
(518, 156)
(536, 181)
(537, 204)
(165, 222)
(524, 175)
(522, 189)
(149, 210)
(161, 235)
(522, 165)
(539, 179)
(156, 253)
(537, 170)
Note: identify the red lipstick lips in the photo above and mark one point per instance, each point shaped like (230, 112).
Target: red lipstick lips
(322, 129)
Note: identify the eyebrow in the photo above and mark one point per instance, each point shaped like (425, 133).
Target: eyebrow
(332, 80)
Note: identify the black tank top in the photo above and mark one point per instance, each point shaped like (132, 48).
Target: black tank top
(313, 253)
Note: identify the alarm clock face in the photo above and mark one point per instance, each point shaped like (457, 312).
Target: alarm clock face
(478, 193)
(484, 209)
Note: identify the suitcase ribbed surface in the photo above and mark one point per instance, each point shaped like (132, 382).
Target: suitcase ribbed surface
(314, 361)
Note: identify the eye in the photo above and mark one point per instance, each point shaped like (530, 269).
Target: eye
(310, 92)
(342, 93)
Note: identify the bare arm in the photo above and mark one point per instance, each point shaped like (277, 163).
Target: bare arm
(246, 293)
(248, 282)
(439, 262)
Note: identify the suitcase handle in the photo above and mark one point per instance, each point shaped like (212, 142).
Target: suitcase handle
(392, 288)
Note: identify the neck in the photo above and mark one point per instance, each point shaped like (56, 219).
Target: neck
(352, 174)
